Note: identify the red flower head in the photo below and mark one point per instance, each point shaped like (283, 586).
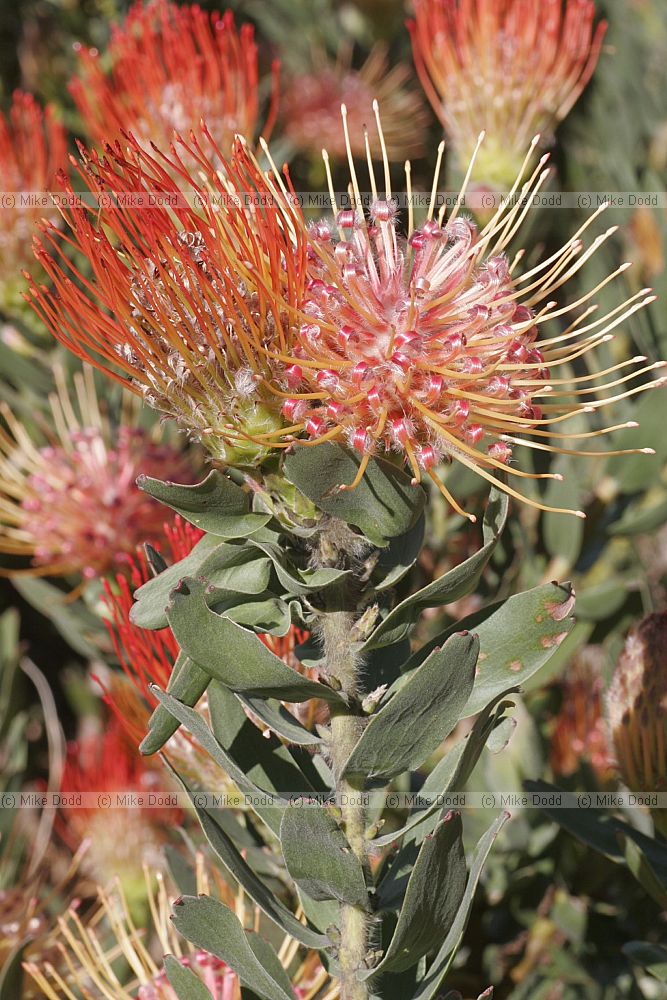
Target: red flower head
(310, 108)
(145, 656)
(33, 149)
(71, 504)
(510, 67)
(172, 66)
(121, 839)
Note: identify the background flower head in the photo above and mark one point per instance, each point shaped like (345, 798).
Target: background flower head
(510, 67)
(310, 107)
(171, 66)
(33, 149)
(69, 500)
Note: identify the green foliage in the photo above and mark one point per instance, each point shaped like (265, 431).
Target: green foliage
(420, 901)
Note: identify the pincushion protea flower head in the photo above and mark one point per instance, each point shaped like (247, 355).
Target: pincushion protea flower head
(637, 707)
(171, 66)
(33, 149)
(71, 504)
(89, 947)
(310, 107)
(193, 304)
(427, 345)
(260, 328)
(119, 841)
(510, 67)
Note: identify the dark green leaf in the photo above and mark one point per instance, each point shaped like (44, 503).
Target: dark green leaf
(383, 505)
(319, 857)
(11, 973)
(74, 621)
(418, 717)
(652, 957)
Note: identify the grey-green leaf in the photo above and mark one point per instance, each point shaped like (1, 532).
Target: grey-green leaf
(433, 895)
(384, 505)
(453, 585)
(211, 926)
(216, 505)
(432, 982)
(232, 654)
(419, 716)
(319, 857)
(185, 983)
(188, 682)
(516, 638)
(243, 874)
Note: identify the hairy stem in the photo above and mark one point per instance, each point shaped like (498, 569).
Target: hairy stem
(346, 728)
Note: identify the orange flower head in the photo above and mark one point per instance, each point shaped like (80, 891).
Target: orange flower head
(310, 108)
(33, 148)
(171, 66)
(71, 504)
(510, 67)
(580, 733)
(192, 303)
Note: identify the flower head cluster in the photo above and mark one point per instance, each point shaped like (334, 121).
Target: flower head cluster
(510, 67)
(192, 303)
(637, 706)
(310, 108)
(171, 66)
(32, 151)
(71, 504)
(254, 328)
(89, 946)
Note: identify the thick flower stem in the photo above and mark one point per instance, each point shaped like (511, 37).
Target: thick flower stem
(346, 728)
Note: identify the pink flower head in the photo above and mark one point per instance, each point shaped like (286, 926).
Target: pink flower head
(71, 504)
(310, 108)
